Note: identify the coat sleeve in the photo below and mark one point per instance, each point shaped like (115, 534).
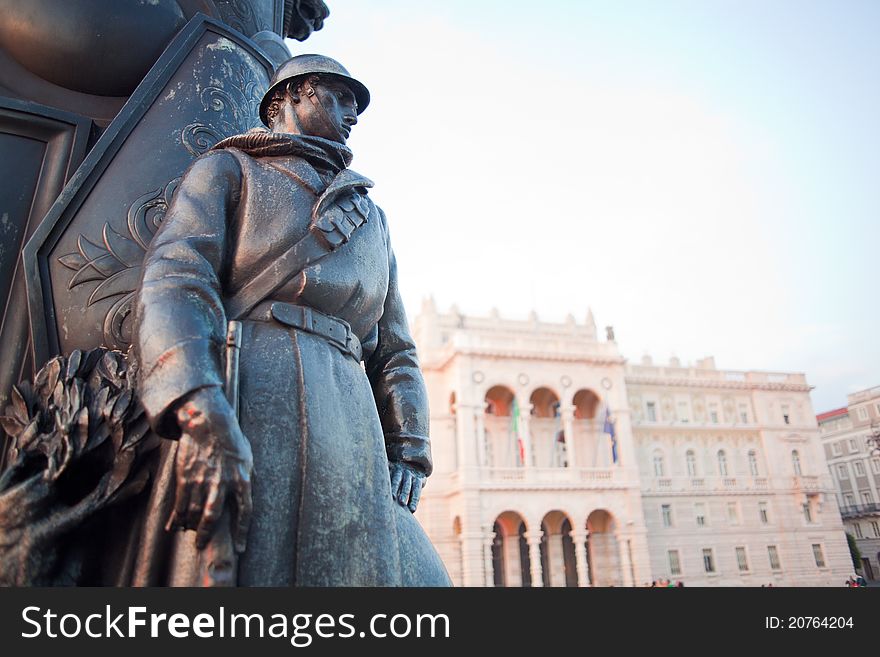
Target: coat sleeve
(398, 385)
(180, 323)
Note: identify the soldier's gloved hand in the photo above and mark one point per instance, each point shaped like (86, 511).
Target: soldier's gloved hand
(406, 484)
(214, 462)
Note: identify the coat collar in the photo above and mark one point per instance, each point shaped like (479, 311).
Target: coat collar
(323, 154)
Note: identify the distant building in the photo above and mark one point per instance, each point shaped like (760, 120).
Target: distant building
(855, 470)
(715, 478)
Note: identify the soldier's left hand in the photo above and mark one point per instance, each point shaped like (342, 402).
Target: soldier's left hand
(406, 484)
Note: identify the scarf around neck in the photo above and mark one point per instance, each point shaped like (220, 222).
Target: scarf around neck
(319, 152)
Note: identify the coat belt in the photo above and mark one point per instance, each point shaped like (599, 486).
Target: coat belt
(336, 331)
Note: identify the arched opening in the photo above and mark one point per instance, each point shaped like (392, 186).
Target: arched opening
(503, 444)
(659, 463)
(753, 463)
(571, 574)
(796, 462)
(586, 404)
(603, 553)
(558, 565)
(545, 403)
(499, 401)
(510, 551)
(452, 403)
(722, 463)
(591, 445)
(499, 572)
(524, 561)
(691, 461)
(546, 430)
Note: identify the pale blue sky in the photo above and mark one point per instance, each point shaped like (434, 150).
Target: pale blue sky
(704, 174)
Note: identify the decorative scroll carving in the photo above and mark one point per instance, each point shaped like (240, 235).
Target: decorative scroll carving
(236, 105)
(198, 138)
(115, 261)
(238, 14)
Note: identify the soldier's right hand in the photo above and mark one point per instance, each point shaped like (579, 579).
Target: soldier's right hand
(214, 463)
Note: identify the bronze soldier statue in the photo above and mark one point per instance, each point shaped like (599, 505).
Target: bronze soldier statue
(269, 234)
(324, 463)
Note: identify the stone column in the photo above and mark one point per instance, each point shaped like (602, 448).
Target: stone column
(625, 569)
(534, 541)
(488, 567)
(568, 429)
(525, 414)
(512, 565)
(479, 420)
(464, 429)
(556, 560)
(579, 538)
(640, 560)
(472, 559)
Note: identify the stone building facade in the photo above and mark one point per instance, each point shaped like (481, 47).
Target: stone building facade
(558, 463)
(854, 466)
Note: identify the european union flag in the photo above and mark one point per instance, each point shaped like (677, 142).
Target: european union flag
(609, 429)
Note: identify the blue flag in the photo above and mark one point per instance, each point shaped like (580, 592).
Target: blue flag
(609, 429)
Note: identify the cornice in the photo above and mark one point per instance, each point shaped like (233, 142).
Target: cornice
(710, 383)
(499, 354)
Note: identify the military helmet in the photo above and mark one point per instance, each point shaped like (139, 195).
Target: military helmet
(313, 65)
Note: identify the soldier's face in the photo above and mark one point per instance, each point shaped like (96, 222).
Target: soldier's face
(339, 111)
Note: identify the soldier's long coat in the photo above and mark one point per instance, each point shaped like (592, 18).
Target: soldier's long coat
(321, 425)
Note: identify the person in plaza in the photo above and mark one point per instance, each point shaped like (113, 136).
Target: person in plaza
(323, 465)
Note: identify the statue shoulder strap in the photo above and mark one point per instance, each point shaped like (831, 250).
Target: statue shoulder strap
(339, 211)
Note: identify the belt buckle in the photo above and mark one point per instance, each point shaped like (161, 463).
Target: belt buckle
(292, 315)
(308, 323)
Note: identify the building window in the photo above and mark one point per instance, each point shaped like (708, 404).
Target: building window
(862, 413)
(742, 561)
(875, 465)
(652, 411)
(753, 463)
(708, 561)
(773, 553)
(674, 563)
(700, 513)
(762, 512)
(848, 499)
(842, 472)
(732, 513)
(683, 414)
(853, 447)
(835, 448)
(796, 462)
(722, 463)
(875, 527)
(691, 460)
(867, 498)
(786, 414)
(808, 512)
(818, 555)
(666, 512)
(858, 529)
(658, 464)
(713, 414)
(743, 414)
(859, 467)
